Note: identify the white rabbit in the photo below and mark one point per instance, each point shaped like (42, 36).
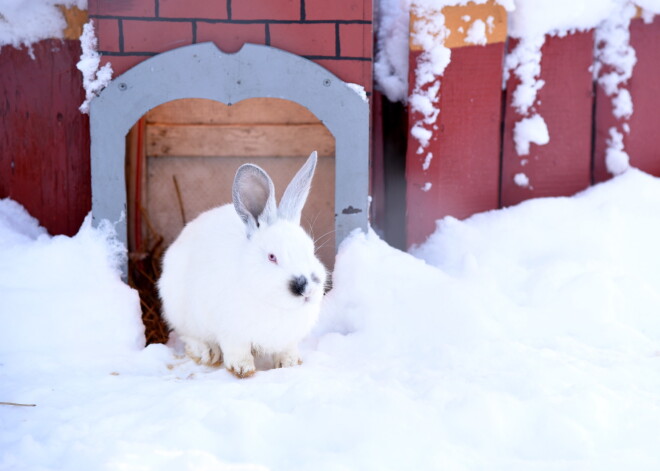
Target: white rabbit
(243, 278)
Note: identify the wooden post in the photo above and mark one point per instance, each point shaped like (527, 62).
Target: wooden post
(457, 174)
(565, 102)
(639, 143)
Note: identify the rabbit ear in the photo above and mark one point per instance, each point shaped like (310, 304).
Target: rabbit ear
(295, 195)
(253, 194)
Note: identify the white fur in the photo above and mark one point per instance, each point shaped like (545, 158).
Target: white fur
(219, 288)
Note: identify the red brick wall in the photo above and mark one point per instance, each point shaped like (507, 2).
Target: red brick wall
(336, 34)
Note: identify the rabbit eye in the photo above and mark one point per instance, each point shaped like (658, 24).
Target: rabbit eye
(272, 258)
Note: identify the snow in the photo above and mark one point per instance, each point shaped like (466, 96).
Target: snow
(95, 79)
(359, 89)
(617, 160)
(391, 58)
(427, 161)
(520, 339)
(476, 34)
(530, 130)
(24, 22)
(521, 179)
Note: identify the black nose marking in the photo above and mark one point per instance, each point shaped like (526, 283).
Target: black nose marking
(297, 285)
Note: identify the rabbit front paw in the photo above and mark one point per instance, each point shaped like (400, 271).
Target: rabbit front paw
(203, 353)
(240, 365)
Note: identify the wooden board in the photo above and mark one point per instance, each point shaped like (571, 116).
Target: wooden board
(206, 182)
(248, 140)
(563, 166)
(639, 143)
(464, 171)
(201, 143)
(642, 145)
(254, 110)
(44, 139)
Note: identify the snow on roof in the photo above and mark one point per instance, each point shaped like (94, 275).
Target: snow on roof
(24, 22)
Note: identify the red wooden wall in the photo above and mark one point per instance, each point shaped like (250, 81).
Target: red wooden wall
(473, 171)
(563, 166)
(640, 144)
(465, 147)
(44, 139)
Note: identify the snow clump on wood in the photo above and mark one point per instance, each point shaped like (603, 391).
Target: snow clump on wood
(95, 79)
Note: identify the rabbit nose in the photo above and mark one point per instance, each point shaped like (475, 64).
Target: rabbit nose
(298, 285)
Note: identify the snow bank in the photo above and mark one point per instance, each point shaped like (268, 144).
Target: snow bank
(528, 339)
(24, 22)
(63, 295)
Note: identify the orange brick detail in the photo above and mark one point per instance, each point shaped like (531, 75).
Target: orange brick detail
(304, 39)
(144, 8)
(355, 40)
(265, 10)
(107, 32)
(338, 10)
(155, 36)
(211, 10)
(231, 37)
(121, 64)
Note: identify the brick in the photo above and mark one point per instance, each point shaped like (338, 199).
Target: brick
(107, 32)
(304, 39)
(121, 64)
(231, 37)
(155, 36)
(139, 8)
(265, 10)
(355, 40)
(350, 71)
(338, 10)
(203, 9)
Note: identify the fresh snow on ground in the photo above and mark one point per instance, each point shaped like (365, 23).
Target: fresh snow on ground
(526, 338)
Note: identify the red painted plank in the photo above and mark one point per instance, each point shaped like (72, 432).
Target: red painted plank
(641, 144)
(464, 170)
(44, 139)
(563, 166)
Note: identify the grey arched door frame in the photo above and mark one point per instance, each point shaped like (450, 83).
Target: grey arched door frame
(203, 71)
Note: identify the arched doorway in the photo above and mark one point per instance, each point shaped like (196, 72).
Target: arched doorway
(203, 71)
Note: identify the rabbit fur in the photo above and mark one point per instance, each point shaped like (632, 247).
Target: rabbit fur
(243, 279)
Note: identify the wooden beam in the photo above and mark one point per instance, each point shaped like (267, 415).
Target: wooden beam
(275, 140)
(253, 110)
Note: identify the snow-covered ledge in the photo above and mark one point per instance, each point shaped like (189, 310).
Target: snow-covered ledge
(203, 71)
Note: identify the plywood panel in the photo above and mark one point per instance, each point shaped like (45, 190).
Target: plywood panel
(463, 173)
(641, 144)
(254, 110)
(206, 182)
(44, 139)
(563, 166)
(239, 140)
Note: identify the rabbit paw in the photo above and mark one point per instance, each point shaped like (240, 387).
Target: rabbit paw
(286, 359)
(241, 366)
(203, 353)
